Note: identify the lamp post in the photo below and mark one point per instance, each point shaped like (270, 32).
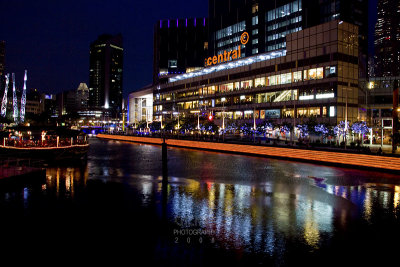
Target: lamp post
(147, 120)
(395, 115)
(223, 121)
(254, 125)
(223, 115)
(345, 123)
(178, 120)
(198, 121)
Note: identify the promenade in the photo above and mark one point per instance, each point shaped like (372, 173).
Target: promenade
(360, 161)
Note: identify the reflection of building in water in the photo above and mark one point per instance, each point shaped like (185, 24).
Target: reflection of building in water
(241, 215)
(64, 181)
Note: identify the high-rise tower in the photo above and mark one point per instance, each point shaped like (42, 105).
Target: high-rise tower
(105, 77)
(387, 39)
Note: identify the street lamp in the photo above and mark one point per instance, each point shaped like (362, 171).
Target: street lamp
(345, 123)
(178, 120)
(223, 113)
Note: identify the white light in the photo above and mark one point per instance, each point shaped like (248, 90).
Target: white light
(242, 97)
(306, 97)
(332, 111)
(229, 65)
(248, 112)
(223, 99)
(322, 96)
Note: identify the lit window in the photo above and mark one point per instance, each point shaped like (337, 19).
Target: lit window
(254, 9)
(331, 111)
(259, 82)
(172, 63)
(254, 20)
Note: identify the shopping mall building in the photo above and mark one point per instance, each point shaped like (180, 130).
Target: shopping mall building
(316, 75)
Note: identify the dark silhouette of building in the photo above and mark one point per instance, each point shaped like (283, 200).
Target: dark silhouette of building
(387, 38)
(180, 46)
(268, 23)
(105, 78)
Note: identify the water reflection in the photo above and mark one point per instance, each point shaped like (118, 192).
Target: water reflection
(252, 205)
(246, 216)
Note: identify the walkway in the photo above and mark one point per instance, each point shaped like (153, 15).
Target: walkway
(391, 164)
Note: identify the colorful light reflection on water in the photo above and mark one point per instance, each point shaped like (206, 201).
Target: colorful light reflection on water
(254, 206)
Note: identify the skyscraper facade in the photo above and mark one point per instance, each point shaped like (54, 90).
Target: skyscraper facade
(387, 39)
(82, 97)
(268, 23)
(180, 46)
(106, 72)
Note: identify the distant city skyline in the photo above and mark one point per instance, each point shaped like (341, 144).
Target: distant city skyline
(53, 46)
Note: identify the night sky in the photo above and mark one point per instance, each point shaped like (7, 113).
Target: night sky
(51, 38)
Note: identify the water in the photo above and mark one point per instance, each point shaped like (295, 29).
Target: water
(217, 209)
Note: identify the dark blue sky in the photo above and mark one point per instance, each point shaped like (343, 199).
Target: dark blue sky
(51, 38)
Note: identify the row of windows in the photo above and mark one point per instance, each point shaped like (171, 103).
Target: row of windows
(228, 31)
(285, 10)
(284, 23)
(285, 78)
(229, 41)
(282, 34)
(270, 97)
(279, 113)
(276, 46)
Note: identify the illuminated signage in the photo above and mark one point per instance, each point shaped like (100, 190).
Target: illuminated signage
(273, 114)
(228, 55)
(244, 39)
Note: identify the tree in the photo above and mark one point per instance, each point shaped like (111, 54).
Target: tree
(340, 129)
(360, 128)
(303, 129)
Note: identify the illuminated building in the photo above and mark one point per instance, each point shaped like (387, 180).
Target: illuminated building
(268, 22)
(378, 107)
(82, 96)
(141, 105)
(387, 39)
(180, 46)
(105, 77)
(35, 102)
(316, 76)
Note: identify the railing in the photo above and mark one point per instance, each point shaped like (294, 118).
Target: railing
(40, 144)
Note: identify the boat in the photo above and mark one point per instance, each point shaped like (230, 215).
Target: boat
(43, 143)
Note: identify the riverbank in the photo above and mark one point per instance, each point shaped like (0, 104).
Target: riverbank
(361, 161)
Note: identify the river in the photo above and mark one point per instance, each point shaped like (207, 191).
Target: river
(217, 209)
